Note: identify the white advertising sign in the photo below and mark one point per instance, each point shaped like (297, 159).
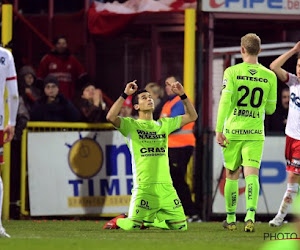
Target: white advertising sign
(285, 7)
(73, 173)
(273, 179)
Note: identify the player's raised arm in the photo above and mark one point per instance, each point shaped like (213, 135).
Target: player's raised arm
(190, 112)
(112, 115)
(276, 65)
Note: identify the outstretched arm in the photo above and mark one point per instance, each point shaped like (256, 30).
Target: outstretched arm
(112, 115)
(276, 65)
(190, 112)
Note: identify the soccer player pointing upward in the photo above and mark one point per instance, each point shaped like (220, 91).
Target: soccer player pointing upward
(249, 92)
(153, 195)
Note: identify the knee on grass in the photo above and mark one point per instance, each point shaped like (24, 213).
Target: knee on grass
(128, 224)
(181, 225)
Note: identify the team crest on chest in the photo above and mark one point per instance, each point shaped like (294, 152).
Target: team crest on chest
(52, 66)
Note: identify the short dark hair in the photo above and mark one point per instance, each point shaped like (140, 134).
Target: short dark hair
(56, 39)
(135, 96)
(176, 77)
(298, 55)
(51, 79)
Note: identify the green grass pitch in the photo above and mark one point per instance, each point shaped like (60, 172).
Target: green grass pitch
(77, 235)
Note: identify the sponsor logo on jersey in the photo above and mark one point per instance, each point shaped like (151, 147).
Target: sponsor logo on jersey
(52, 66)
(150, 135)
(2, 60)
(244, 131)
(177, 203)
(251, 78)
(153, 151)
(252, 71)
(144, 204)
(295, 99)
(295, 163)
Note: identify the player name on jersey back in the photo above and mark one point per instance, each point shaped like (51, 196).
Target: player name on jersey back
(246, 113)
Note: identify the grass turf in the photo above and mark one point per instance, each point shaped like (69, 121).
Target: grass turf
(77, 235)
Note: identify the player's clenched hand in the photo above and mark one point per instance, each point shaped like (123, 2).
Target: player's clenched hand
(220, 138)
(131, 88)
(297, 47)
(176, 87)
(9, 131)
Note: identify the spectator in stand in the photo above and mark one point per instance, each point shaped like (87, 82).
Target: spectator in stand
(91, 104)
(29, 87)
(278, 120)
(126, 109)
(157, 93)
(64, 66)
(29, 93)
(53, 106)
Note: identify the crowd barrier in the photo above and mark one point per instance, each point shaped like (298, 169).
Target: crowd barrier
(74, 169)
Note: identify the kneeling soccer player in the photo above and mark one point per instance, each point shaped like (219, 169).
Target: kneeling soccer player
(153, 194)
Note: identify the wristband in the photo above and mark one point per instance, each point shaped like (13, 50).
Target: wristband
(183, 97)
(124, 95)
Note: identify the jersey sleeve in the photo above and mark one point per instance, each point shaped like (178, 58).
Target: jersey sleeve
(225, 101)
(12, 89)
(173, 123)
(272, 98)
(292, 80)
(125, 126)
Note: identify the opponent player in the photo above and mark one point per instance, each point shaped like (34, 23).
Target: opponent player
(292, 131)
(8, 78)
(153, 195)
(249, 91)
